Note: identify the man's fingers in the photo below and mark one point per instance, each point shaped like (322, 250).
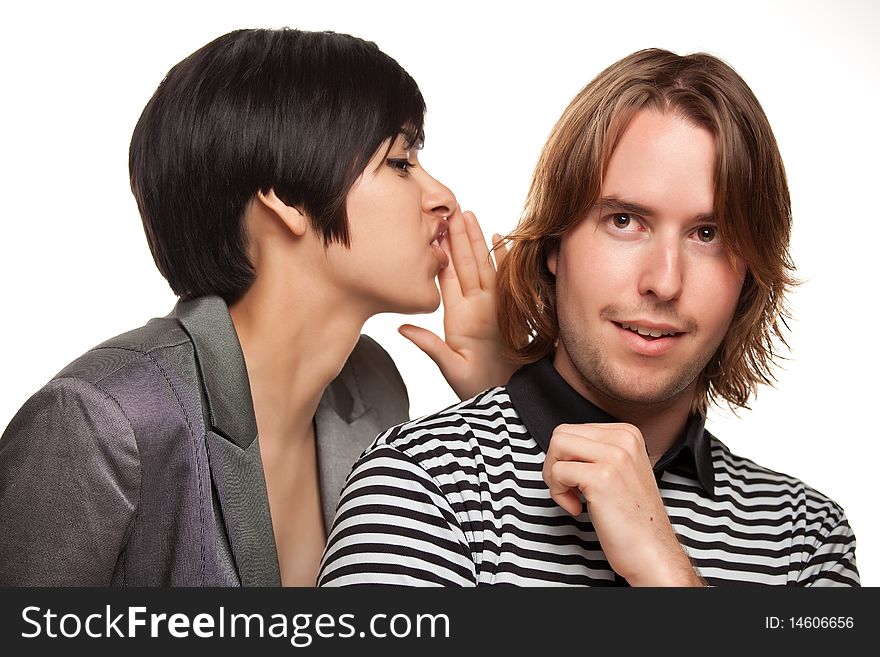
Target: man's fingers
(574, 441)
(570, 500)
(568, 474)
(589, 479)
(593, 445)
(567, 480)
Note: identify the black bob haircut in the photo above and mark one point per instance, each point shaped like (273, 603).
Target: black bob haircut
(298, 112)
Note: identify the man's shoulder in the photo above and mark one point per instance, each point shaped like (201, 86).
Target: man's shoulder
(462, 431)
(745, 477)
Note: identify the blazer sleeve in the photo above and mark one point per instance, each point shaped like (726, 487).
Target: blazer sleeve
(69, 486)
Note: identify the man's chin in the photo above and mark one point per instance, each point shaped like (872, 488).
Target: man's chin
(646, 398)
(634, 391)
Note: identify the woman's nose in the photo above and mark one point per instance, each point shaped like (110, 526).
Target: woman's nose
(437, 198)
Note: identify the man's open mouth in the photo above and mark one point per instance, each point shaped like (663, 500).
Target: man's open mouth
(646, 332)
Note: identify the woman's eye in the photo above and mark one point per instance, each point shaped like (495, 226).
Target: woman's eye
(403, 165)
(707, 234)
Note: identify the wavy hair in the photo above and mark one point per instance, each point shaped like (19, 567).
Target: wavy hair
(752, 208)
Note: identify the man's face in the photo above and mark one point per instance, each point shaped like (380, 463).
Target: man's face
(646, 262)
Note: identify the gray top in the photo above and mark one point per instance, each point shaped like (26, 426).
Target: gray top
(139, 463)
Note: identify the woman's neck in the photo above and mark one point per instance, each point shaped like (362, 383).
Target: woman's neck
(295, 342)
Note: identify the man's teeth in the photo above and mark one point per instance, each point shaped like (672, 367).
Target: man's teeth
(654, 333)
(435, 242)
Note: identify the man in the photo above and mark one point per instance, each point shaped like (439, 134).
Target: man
(646, 279)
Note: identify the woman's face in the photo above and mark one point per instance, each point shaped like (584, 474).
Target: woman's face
(396, 215)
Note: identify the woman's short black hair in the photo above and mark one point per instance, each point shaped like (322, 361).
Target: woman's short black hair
(298, 112)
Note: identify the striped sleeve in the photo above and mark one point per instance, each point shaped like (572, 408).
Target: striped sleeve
(832, 557)
(394, 526)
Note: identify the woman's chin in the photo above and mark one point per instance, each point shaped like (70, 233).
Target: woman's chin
(425, 302)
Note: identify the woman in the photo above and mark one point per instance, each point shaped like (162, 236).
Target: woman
(277, 177)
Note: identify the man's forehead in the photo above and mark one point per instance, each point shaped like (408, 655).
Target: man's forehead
(663, 163)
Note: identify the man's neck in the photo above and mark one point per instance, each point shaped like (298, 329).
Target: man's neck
(660, 423)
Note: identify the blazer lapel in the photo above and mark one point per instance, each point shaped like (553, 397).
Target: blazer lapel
(233, 448)
(344, 429)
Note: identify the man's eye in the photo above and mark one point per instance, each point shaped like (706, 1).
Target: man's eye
(707, 233)
(621, 220)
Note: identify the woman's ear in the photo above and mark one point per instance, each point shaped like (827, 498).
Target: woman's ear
(292, 217)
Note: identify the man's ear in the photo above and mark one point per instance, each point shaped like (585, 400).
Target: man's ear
(292, 217)
(552, 258)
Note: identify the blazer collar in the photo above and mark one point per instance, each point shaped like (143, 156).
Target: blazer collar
(221, 364)
(344, 428)
(233, 448)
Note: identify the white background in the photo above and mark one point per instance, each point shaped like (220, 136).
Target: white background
(76, 269)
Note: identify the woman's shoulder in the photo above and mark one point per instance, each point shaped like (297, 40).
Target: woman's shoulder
(113, 383)
(112, 355)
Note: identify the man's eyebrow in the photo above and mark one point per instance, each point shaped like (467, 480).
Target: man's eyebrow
(615, 204)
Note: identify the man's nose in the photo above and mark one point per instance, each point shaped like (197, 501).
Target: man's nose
(662, 269)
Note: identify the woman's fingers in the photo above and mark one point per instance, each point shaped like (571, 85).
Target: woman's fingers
(480, 251)
(450, 288)
(436, 349)
(470, 259)
(463, 259)
(500, 249)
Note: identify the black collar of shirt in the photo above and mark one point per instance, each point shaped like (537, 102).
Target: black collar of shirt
(544, 400)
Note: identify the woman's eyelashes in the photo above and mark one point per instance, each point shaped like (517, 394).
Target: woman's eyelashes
(401, 164)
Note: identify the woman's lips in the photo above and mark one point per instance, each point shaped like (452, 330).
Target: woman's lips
(439, 236)
(440, 254)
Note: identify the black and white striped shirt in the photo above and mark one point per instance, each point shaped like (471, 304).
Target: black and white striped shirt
(457, 498)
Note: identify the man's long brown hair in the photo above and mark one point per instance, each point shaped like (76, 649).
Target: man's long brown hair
(752, 208)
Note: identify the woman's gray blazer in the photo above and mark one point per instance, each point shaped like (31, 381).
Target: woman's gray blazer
(139, 463)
